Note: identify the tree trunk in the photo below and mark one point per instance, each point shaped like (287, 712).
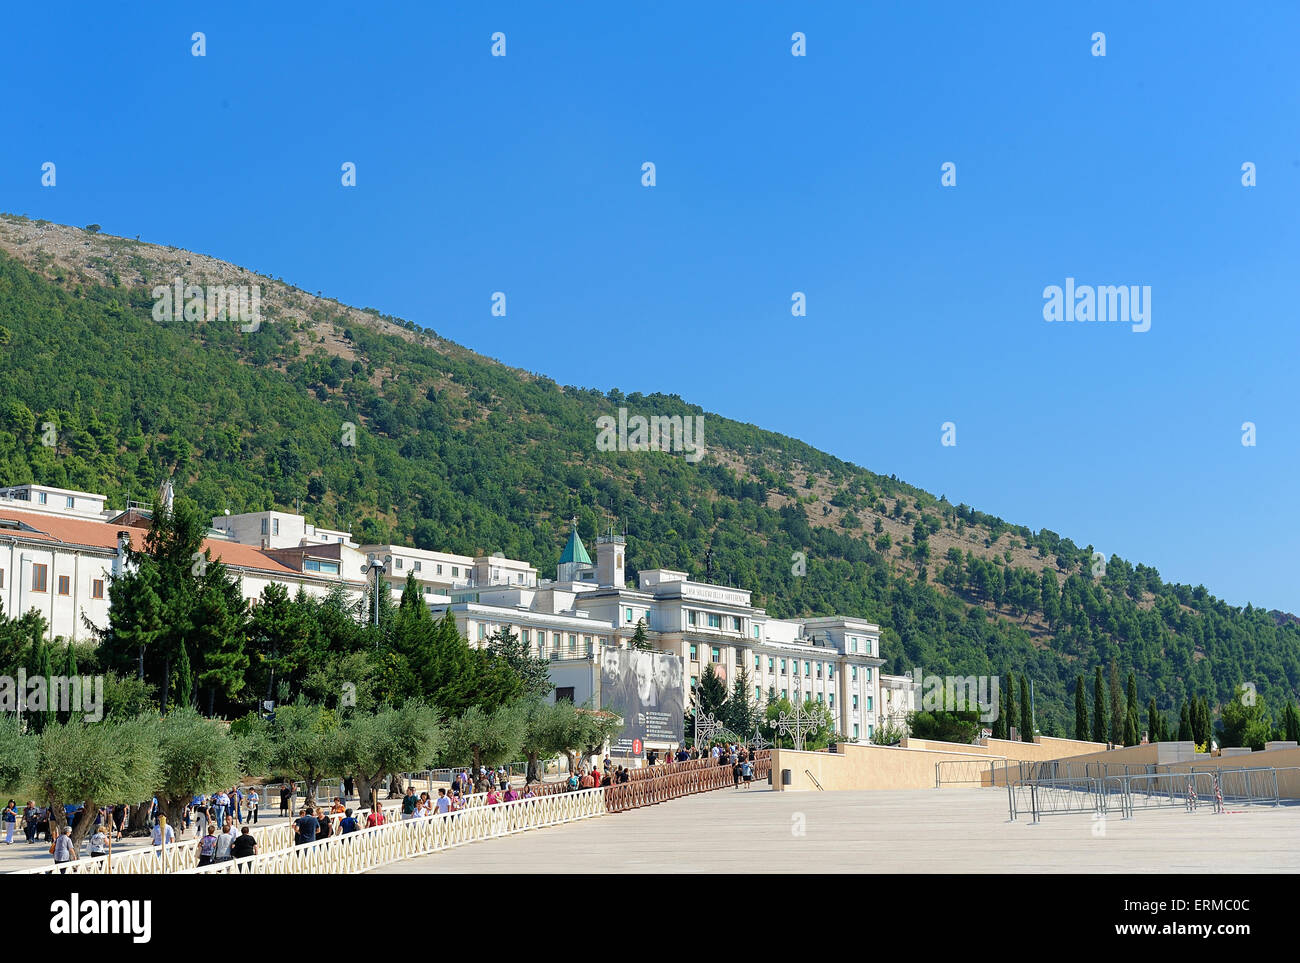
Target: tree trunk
(531, 776)
(366, 787)
(396, 789)
(138, 818)
(84, 824)
(312, 783)
(167, 682)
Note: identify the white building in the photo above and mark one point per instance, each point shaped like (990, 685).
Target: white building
(832, 660)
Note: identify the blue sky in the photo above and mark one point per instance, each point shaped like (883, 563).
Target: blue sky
(775, 174)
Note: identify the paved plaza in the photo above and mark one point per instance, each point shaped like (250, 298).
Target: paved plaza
(905, 831)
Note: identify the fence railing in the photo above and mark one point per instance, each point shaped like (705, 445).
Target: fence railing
(378, 845)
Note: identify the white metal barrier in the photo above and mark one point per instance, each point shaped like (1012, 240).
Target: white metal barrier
(404, 838)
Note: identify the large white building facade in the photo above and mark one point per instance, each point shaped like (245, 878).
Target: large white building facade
(60, 548)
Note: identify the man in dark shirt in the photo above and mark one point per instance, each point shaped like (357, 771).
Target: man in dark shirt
(244, 845)
(306, 827)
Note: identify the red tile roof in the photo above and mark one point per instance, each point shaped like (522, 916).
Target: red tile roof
(83, 531)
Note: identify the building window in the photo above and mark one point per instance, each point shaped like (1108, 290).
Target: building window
(735, 623)
(439, 569)
(315, 565)
(771, 663)
(524, 636)
(65, 585)
(868, 703)
(715, 621)
(399, 563)
(853, 669)
(38, 578)
(855, 731)
(807, 668)
(41, 498)
(690, 616)
(870, 732)
(265, 523)
(756, 631)
(417, 564)
(855, 703)
(783, 666)
(830, 699)
(455, 571)
(275, 526)
(868, 674)
(819, 670)
(694, 656)
(482, 631)
(2, 578)
(69, 502)
(587, 641)
(573, 642)
(853, 645)
(428, 590)
(758, 693)
(96, 587)
(819, 697)
(785, 694)
(717, 654)
(695, 681)
(758, 659)
(564, 693)
(830, 670)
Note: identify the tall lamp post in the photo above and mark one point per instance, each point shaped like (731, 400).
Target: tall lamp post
(378, 567)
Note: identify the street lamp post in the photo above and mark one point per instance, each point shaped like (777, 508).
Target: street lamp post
(378, 567)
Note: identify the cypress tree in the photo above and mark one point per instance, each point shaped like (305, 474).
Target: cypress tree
(1026, 712)
(1011, 702)
(1098, 708)
(1117, 708)
(1131, 723)
(1185, 724)
(1154, 733)
(1291, 722)
(1080, 711)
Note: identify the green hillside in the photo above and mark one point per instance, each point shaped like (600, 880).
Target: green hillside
(455, 451)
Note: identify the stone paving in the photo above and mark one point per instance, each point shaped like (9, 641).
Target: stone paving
(907, 831)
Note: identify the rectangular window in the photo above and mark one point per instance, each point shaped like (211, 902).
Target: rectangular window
(830, 698)
(771, 663)
(854, 673)
(868, 674)
(870, 731)
(417, 564)
(694, 655)
(573, 643)
(819, 670)
(564, 693)
(65, 585)
(439, 569)
(855, 730)
(785, 694)
(275, 526)
(735, 623)
(38, 578)
(783, 666)
(524, 636)
(482, 631)
(717, 654)
(627, 615)
(399, 563)
(69, 502)
(758, 662)
(819, 697)
(690, 616)
(265, 522)
(830, 670)
(756, 631)
(758, 693)
(2, 578)
(853, 645)
(807, 668)
(428, 590)
(587, 641)
(715, 621)
(868, 703)
(96, 587)
(41, 498)
(455, 571)
(316, 565)
(855, 702)
(695, 680)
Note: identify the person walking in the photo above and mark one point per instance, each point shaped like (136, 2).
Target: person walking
(207, 847)
(284, 800)
(305, 828)
(62, 849)
(99, 843)
(254, 800)
(10, 820)
(225, 841)
(245, 844)
(30, 816)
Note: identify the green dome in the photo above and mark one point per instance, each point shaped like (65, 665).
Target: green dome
(575, 551)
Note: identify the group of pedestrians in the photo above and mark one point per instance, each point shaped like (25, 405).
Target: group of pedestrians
(316, 823)
(213, 808)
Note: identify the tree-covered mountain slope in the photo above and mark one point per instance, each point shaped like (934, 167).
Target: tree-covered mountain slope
(456, 451)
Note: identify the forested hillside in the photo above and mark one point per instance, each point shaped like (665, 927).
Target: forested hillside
(455, 451)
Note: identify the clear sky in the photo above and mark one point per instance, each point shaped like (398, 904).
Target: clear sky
(774, 174)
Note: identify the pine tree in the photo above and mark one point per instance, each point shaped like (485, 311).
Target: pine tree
(1098, 708)
(1080, 711)
(1026, 712)
(184, 682)
(639, 637)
